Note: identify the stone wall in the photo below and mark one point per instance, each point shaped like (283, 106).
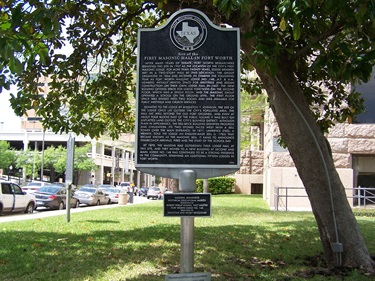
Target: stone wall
(349, 139)
(251, 162)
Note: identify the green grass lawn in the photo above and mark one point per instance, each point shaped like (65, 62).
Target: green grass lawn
(243, 240)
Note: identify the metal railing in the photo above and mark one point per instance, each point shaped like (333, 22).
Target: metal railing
(362, 196)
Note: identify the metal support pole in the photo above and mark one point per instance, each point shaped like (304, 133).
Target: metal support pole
(69, 173)
(68, 200)
(42, 164)
(187, 245)
(187, 184)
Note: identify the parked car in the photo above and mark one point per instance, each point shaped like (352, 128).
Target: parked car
(92, 196)
(113, 194)
(124, 184)
(105, 186)
(34, 186)
(154, 193)
(13, 199)
(143, 191)
(90, 185)
(54, 197)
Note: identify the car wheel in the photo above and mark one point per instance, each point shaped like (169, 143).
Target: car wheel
(77, 204)
(109, 201)
(30, 208)
(61, 206)
(98, 203)
(1, 210)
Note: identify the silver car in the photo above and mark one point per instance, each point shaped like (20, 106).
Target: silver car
(92, 196)
(113, 194)
(154, 193)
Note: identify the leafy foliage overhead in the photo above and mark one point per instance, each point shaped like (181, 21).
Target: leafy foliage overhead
(326, 43)
(87, 48)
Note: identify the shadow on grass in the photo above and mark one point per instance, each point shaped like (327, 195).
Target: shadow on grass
(136, 243)
(231, 252)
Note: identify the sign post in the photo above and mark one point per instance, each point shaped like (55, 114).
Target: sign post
(187, 184)
(69, 173)
(188, 108)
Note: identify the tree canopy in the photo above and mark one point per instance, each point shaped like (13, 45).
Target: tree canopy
(330, 44)
(306, 53)
(7, 155)
(54, 162)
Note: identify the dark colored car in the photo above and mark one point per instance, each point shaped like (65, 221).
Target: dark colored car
(143, 191)
(54, 197)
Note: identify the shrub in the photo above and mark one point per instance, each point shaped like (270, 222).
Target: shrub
(221, 185)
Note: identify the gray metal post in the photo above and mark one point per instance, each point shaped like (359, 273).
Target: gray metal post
(69, 173)
(187, 184)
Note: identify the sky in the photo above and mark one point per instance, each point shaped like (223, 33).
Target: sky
(8, 120)
(368, 93)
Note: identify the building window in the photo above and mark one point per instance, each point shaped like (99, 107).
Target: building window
(367, 91)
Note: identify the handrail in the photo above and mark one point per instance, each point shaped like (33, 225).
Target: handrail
(364, 195)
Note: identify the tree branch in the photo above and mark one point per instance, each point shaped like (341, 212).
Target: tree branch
(335, 28)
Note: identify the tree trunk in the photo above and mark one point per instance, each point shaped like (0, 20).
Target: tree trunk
(307, 145)
(311, 154)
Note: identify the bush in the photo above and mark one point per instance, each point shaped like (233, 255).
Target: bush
(222, 185)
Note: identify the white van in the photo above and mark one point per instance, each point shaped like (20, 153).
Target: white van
(13, 199)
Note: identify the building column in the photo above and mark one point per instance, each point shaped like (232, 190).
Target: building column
(139, 184)
(25, 148)
(93, 156)
(113, 154)
(124, 164)
(131, 166)
(101, 168)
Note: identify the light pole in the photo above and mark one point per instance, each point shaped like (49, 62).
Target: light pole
(10, 168)
(20, 170)
(42, 164)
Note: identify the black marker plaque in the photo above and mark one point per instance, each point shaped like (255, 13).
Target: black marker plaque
(187, 205)
(187, 94)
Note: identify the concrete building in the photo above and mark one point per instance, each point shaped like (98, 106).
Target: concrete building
(270, 170)
(115, 159)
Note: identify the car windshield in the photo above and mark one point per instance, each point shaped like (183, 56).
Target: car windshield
(35, 184)
(49, 189)
(113, 190)
(155, 188)
(88, 189)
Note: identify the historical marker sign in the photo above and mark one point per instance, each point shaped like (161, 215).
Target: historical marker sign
(188, 97)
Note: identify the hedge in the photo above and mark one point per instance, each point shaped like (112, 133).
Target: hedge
(221, 185)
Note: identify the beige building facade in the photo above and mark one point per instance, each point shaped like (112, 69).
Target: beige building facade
(353, 150)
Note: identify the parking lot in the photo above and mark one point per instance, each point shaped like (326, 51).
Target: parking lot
(43, 212)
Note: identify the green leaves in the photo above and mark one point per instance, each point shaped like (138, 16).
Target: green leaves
(319, 41)
(7, 155)
(15, 65)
